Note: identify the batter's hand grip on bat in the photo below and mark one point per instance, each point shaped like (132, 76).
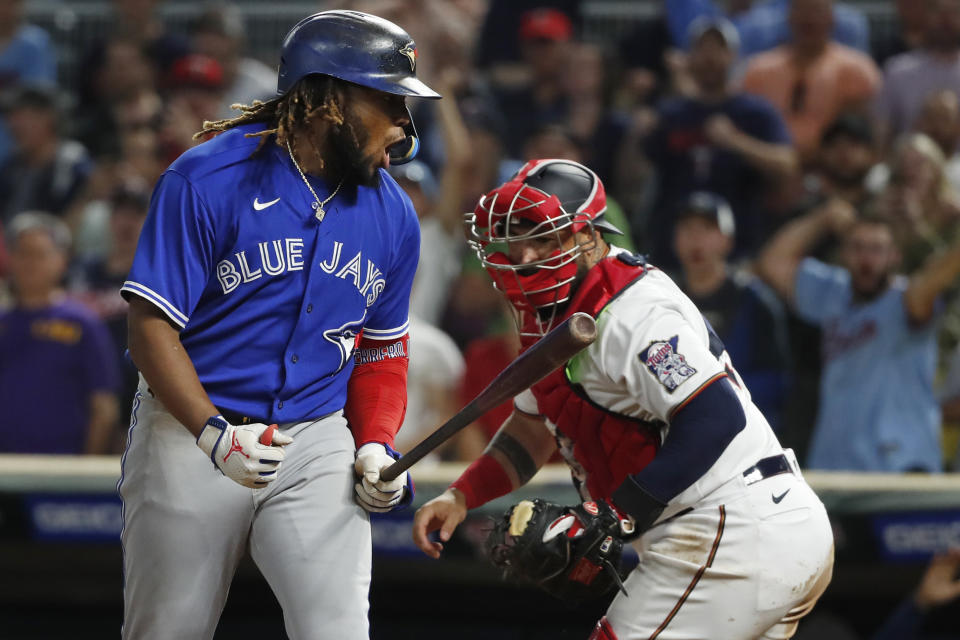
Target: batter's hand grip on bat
(552, 350)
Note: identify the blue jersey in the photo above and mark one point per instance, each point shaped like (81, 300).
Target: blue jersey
(877, 407)
(269, 299)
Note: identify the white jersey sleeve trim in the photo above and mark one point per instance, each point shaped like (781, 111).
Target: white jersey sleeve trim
(526, 402)
(159, 301)
(386, 334)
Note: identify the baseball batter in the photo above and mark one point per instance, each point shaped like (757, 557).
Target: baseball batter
(652, 419)
(274, 256)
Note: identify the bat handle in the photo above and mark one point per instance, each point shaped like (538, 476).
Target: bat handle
(394, 470)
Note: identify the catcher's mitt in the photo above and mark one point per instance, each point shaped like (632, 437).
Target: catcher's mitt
(571, 552)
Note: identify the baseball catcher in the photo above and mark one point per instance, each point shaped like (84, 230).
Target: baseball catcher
(654, 422)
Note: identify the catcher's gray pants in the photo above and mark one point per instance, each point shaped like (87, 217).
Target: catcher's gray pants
(186, 527)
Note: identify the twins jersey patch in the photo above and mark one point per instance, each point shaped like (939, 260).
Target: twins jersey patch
(666, 363)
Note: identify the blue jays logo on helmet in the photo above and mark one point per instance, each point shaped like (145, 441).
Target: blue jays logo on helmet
(359, 48)
(411, 52)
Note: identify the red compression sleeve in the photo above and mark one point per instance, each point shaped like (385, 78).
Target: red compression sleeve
(483, 481)
(377, 391)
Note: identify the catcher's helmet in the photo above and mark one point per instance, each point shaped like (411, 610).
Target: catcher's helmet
(544, 198)
(359, 48)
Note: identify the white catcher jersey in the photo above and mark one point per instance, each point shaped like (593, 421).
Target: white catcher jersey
(652, 354)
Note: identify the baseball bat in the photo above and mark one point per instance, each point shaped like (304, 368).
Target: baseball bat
(559, 345)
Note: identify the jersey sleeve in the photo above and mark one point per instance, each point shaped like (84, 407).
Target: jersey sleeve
(175, 252)
(389, 317)
(662, 359)
(526, 402)
(820, 290)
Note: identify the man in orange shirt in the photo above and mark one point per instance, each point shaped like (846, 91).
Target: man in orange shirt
(812, 80)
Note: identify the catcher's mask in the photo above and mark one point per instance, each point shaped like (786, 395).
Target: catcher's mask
(545, 200)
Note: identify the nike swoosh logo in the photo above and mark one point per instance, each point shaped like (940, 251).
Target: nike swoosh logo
(777, 499)
(260, 206)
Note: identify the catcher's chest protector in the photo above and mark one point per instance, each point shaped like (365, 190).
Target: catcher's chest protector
(600, 446)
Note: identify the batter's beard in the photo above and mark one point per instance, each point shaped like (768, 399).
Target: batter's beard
(348, 141)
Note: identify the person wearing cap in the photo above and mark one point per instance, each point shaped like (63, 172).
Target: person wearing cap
(46, 171)
(812, 79)
(58, 375)
(194, 93)
(720, 140)
(540, 99)
(746, 315)
(498, 48)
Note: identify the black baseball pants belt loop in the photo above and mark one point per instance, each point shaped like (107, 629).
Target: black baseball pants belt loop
(236, 418)
(767, 468)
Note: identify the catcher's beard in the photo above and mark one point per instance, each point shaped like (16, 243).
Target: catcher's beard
(555, 311)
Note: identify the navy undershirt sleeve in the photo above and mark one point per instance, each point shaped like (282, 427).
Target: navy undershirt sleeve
(699, 433)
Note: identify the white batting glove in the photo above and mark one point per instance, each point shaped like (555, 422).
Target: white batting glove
(248, 454)
(372, 493)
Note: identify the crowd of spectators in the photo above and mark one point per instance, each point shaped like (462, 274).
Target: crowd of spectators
(798, 174)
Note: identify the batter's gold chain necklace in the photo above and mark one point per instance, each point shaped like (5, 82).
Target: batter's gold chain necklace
(318, 206)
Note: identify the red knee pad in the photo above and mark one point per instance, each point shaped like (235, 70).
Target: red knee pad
(603, 631)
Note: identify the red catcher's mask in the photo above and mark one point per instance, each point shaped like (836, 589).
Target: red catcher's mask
(545, 199)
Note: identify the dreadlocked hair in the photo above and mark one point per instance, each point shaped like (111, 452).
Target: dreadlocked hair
(311, 97)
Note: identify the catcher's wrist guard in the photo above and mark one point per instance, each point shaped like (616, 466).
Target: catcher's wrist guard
(483, 481)
(642, 506)
(571, 552)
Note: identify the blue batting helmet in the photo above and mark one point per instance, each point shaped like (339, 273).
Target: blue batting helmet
(359, 48)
